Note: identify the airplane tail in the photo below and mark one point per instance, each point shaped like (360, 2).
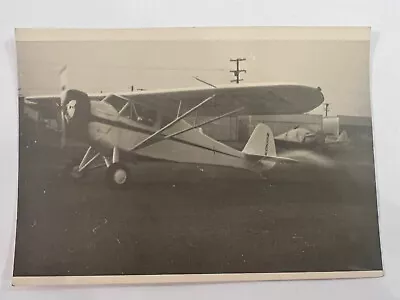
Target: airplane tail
(261, 142)
(261, 147)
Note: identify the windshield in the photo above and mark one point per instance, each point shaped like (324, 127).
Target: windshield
(117, 102)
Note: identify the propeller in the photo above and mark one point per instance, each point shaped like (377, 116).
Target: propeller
(63, 88)
(73, 112)
(61, 124)
(63, 129)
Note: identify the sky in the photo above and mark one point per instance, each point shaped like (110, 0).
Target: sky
(339, 67)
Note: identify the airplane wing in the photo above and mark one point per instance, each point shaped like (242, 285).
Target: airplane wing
(256, 99)
(46, 105)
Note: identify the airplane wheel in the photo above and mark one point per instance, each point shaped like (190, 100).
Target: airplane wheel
(71, 170)
(75, 174)
(117, 175)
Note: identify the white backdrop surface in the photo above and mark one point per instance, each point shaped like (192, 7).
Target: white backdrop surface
(383, 16)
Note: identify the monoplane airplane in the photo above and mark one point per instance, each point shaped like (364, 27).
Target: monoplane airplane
(300, 137)
(151, 124)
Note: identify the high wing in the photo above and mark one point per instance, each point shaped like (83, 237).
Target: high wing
(256, 99)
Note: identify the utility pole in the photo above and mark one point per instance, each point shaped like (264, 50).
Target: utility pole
(237, 72)
(326, 108)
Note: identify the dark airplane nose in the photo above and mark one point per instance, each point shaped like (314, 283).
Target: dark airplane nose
(75, 114)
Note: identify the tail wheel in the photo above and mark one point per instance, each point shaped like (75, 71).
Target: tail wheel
(117, 175)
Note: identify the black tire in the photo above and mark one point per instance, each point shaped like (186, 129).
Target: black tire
(112, 178)
(68, 170)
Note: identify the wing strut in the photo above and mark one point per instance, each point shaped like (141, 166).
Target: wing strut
(203, 123)
(179, 109)
(154, 137)
(203, 81)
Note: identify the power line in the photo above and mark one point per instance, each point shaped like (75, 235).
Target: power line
(237, 72)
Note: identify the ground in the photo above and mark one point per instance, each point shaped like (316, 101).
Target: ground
(176, 218)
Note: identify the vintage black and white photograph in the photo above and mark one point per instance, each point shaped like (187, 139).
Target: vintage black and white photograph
(163, 154)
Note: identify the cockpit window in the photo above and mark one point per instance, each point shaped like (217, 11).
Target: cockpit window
(117, 102)
(139, 113)
(126, 111)
(144, 115)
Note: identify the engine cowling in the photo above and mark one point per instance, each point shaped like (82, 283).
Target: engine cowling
(75, 106)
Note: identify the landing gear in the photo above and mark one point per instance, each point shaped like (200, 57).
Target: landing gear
(77, 168)
(117, 175)
(75, 174)
(72, 170)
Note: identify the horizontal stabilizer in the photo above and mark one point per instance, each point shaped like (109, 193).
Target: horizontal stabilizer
(278, 159)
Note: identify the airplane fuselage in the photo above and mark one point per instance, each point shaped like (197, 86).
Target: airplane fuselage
(109, 129)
